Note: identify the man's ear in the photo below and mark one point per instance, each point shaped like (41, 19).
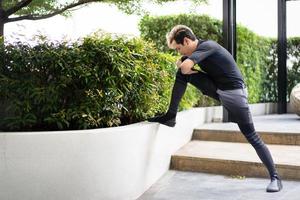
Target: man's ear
(186, 41)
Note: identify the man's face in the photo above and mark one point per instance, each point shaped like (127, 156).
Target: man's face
(184, 49)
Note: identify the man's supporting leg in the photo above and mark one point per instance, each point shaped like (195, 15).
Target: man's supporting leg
(263, 153)
(178, 91)
(199, 80)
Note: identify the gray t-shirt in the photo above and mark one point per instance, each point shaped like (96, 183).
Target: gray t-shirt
(219, 64)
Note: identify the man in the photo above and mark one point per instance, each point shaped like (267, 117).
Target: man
(221, 80)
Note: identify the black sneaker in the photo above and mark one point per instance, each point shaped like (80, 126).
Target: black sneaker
(167, 119)
(275, 185)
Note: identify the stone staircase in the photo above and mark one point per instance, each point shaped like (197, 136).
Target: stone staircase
(226, 152)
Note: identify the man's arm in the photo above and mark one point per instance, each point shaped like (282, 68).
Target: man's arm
(187, 67)
(205, 50)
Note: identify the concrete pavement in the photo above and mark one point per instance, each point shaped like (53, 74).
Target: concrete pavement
(177, 185)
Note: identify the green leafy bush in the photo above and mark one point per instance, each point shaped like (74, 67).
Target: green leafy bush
(253, 52)
(155, 28)
(269, 87)
(293, 63)
(101, 82)
(269, 74)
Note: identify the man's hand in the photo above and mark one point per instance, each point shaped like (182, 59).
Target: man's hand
(178, 63)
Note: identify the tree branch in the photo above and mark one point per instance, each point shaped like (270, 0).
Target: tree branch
(17, 7)
(57, 12)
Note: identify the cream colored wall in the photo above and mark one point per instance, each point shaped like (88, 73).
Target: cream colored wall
(100, 164)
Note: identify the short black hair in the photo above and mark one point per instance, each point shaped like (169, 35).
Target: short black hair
(181, 34)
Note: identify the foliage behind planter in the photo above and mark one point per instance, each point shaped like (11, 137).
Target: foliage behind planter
(100, 82)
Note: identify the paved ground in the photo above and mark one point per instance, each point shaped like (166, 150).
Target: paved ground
(176, 185)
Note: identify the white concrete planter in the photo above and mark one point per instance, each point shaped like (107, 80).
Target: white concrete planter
(99, 164)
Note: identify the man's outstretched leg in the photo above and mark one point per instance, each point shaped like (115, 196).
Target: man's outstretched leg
(236, 102)
(264, 154)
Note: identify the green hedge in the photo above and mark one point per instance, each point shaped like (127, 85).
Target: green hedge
(155, 28)
(270, 70)
(101, 82)
(293, 64)
(252, 56)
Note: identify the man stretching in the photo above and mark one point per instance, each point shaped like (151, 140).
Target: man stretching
(221, 80)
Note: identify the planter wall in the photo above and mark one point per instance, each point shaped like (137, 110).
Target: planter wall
(118, 163)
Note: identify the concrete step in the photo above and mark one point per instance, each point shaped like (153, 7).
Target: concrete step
(238, 159)
(269, 137)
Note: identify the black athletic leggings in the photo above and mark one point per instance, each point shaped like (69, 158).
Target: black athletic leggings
(204, 83)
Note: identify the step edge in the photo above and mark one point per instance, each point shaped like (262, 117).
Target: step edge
(286, 172)
(196, 131)
(279, 165)
(237, 136)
